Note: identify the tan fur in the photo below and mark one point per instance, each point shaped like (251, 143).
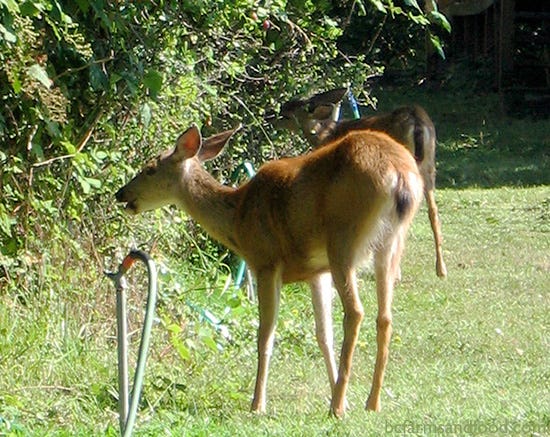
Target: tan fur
(297, 220)
(314, 118)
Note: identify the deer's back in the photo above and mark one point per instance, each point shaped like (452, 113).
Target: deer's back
(299, 204)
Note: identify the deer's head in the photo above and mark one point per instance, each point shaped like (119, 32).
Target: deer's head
(313, 116)
(161, 181)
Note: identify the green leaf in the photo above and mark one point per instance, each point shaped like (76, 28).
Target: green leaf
(379, 5)
(414, 4)
(85, 185)
(153, 81)
(98, 78)
(11, 5)
(114, 78)
(100, 155)
(362, 10)
(53, 128)
(16, 84)
(182, 350)
(173, 327)
(145, 114)
(69, 147)
(31, 9)
(210, 343)
(83, 5)
(37, 72)
(95, 183)
(37, 151)
(440, 19)
(7, 35)
(64, 17)
(6, 222)
(437, 45)
(396, 10)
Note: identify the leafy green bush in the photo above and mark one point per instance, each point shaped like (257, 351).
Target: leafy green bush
(90, 89)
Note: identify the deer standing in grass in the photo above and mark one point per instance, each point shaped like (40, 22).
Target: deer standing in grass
(300, 219)
(408, 125)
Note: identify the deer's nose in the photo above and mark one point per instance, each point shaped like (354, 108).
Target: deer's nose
(119, 195)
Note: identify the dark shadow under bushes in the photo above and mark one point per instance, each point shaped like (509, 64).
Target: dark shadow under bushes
(478, 146)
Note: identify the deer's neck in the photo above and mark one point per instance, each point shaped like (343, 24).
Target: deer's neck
(210, 203)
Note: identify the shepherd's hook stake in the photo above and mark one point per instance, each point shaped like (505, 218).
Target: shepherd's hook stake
(128, 406)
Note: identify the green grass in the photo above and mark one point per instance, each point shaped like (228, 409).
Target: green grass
(467, 351)
(469, 354)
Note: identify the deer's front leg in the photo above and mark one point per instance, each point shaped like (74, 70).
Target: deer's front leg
(269, 287)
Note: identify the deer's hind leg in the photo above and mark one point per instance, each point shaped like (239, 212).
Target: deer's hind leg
(440, 267)
(342, 260)
(386, 264)
(428, 176)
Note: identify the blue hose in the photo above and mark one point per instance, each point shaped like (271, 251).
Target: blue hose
(353, 105)
(249, 170)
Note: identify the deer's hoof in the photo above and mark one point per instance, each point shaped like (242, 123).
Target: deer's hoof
(373, 405)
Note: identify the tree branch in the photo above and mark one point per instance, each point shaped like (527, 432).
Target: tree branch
(81, 144)
(83, 67)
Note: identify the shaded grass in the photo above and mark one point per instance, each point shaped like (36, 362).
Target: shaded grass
(478, 145)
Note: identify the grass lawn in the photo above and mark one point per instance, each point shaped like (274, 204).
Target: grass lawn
(469, 354)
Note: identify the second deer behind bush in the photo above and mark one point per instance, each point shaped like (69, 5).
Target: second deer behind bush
(411, 126)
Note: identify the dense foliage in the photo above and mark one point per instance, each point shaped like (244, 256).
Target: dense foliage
(90, 86)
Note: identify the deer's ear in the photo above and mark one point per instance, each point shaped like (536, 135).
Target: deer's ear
(333, 96)
(213, 145)
(188, 143)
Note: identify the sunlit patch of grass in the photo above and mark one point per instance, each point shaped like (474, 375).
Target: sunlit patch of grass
(470, 350)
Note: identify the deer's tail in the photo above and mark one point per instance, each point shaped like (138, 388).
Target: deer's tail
(408, 194)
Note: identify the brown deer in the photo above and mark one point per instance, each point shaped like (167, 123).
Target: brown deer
(408, 125)
(300, 219)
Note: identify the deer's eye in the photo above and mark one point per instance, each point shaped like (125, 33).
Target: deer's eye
(151, 170)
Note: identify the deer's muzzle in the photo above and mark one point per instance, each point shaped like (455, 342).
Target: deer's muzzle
(122, 197)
